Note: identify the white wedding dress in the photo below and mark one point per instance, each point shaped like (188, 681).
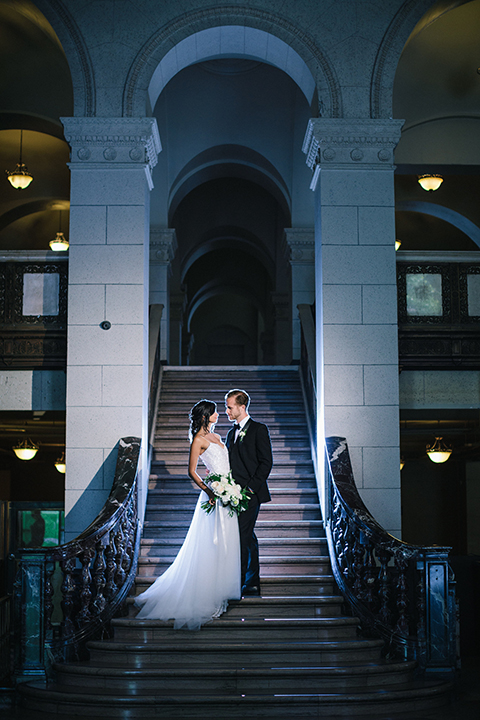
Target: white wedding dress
(206, 572)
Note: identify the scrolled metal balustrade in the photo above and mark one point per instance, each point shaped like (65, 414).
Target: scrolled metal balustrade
(66, 595)
(402, 593)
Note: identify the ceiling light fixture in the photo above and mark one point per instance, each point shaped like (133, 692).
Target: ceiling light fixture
(60, 242)
(20, 178)
(25, 450)
(60, 464)
(430, 182)
(439, 452)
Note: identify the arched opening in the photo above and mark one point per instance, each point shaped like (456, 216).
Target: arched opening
(230, 179)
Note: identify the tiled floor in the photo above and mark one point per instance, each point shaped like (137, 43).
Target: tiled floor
(465, 705)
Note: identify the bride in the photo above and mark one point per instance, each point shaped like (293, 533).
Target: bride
(206, 572)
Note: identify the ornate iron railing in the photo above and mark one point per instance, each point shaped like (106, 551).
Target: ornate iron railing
(404, 593)
(65, 595)
(400, 592)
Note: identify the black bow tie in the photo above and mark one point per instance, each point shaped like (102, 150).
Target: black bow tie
(236, 427)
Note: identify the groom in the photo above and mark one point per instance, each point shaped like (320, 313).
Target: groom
(250, 453)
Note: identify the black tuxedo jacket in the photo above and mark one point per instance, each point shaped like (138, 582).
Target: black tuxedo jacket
(251, 458)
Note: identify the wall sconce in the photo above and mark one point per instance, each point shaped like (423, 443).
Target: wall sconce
(25, 450)
(60, 464)
(439, 452)
(20, 178)
(402, 463)
(430, 182)
(60, 242)
(397, 244)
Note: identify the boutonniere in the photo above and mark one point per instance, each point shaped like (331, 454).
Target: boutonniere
(242, 434)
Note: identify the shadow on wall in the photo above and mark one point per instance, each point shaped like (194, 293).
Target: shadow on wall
(89, 500)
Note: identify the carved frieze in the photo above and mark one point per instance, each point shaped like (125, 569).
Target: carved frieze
(361, 142)
(299, 245)
(163, 245)
(113, 141)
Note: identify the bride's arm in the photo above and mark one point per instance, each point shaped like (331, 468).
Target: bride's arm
(195, 449)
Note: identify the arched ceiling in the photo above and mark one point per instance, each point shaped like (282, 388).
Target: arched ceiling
(232, 41)
(35, 91)
(437, 89)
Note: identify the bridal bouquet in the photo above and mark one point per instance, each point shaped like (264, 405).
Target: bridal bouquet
(228, 491)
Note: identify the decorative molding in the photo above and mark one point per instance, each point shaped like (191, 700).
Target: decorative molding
(80, 47)
(389, 52)
(169, 35)
(344, 142)
(163, 245)
(117, 142)
(299, 245)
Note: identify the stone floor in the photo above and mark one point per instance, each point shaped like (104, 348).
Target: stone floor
(464, 706)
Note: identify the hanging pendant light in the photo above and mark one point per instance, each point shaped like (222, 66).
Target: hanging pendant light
(430, 182)
(60, 242)
(60, 464)
(439, 452)
(25, 450)
(20, 178)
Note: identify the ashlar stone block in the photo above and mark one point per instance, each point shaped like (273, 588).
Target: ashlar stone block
(359, 345)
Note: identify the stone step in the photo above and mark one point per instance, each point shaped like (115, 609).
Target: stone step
(232, 679)
(156, 547)
(277, 607)
(224, 630)
(272, 511)
(263, 528)
(169, 496)
(269, 565)
(181, 482)
(158, 474)
(327, 606)
(415, 697)
(177, 427)
(285, 467)
(275, 585)
(280, 443)
(189, 653)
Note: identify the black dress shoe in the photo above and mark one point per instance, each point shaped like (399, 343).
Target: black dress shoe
(252, 590)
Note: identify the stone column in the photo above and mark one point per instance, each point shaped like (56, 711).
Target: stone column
(107, 363)
(163, 245)
(300, 252)
(357, 354)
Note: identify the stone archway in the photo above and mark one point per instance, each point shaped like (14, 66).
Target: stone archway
(284, 35)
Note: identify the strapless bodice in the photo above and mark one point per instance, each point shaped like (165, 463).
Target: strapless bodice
(215, 458)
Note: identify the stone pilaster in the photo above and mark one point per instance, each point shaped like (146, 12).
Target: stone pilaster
(357, 354)
(283, 350)
(300, 252)
(107, 364)
(178, 303)
(163, 246)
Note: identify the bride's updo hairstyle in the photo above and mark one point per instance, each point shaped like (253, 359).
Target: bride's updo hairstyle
(199, 417)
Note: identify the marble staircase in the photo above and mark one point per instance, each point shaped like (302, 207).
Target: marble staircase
(291, 653)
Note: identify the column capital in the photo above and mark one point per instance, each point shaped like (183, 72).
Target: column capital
(163, 245)
(367, 143)
(299, 245)
(113, 142)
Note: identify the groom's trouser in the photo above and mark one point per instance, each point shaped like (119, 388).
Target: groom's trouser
(249, 544)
